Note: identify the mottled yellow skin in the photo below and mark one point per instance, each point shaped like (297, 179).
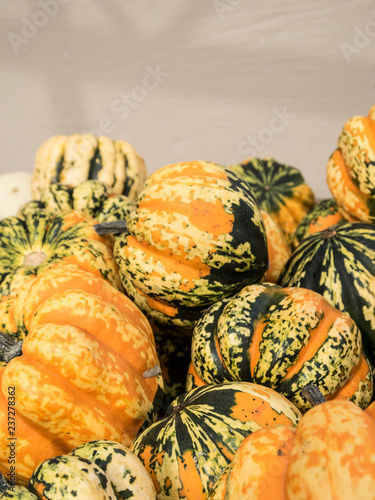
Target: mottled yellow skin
(279, 250)
(121, 167)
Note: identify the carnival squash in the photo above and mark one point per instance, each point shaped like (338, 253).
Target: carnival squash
(72, 159)
(96, 470)
(196, 235)
(323, 215)
(351, 169)
(338, 263)
(79, 360)
(31, 244)
(93, 197)
(186, 452)
(280, 190)
(282, 338)
(329, 455)
(278, 248)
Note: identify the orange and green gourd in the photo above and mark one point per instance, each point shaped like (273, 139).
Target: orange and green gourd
(93, 197)
(280, 190)
(351, 169)
(323, 215)
(72, 159)
(338, 263)
(79, 360)
(187, 451)
(282, 338)
(96, 470)
(195, 236)
(330, 454)
(31, 244)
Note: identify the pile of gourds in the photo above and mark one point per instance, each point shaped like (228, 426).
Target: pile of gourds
(204, 332)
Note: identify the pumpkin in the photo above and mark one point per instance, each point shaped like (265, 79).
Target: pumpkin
(339, 264)
(187, 451)
(351, 169)
(330, 454)
(323, 215)
(196, 235)
(29, 245)
(14, 191)
(280, 190)
(282, 338)
(96, 470)
(72, 159)
(79, 361)
(93, 197)
(278, 249)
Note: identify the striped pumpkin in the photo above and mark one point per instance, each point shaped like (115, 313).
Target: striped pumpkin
(339, 264)
(323, 215)
(186, 452)
(330, 454)
(195, 236)
(280, 190)
(282, 338)
(72, 159)
(96, 470)
(88, 368)
(351, 169)
(32, 244)
(92, 197)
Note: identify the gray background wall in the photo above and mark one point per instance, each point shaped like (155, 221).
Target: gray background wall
(217, 80)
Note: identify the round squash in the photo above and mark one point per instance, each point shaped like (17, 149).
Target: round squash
(186, 452)
(97, 470)
(282, 338)
(72, 159)
(195, 236)
(33, 243)
(330, 454)
(323, 215)
(338, 263)
(78, 359)
(280, 190)
(351, 169)
(93, 197)
(14, 191)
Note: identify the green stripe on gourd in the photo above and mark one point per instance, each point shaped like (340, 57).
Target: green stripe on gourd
(339, 263)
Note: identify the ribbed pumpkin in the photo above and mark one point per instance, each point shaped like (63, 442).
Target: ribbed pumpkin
(282, 338)
(339, 264)
(97, 470)
(323, 215)
(88, 368)
(195, 236)
(72, 159)
(330, 455)
(93, 197)
(278, 249)
(351, 169)
(280, 190)
(186, 452)
(29, 245)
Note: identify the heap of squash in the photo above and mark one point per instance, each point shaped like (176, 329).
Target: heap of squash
(205, 332)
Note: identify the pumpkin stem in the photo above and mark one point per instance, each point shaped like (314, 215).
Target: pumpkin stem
(4, 485)
(152, 372)
(313, 395)
(10, 347)
(111, 227)
(329, 233)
